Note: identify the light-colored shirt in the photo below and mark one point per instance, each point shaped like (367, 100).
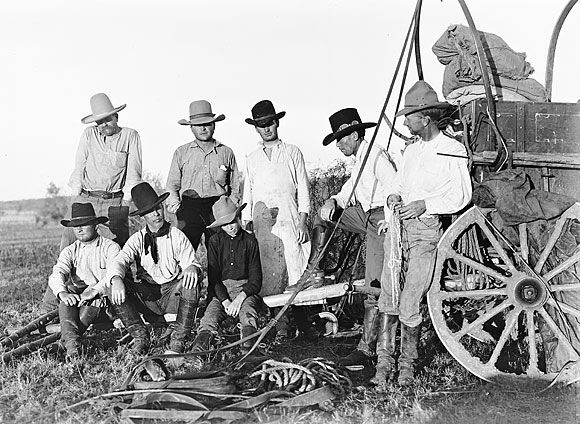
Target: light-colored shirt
(109, 164)
(443, 182)
(376, 181)
(288, 191)
(85, 261)
(175, 254)
(194, 169)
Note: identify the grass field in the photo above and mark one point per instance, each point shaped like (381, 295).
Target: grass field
(38, 387)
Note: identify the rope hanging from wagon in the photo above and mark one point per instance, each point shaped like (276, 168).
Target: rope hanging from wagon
(395, 256)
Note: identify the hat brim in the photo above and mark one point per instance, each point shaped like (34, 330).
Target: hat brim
(93, 118)
(149, 208)
(202, 121)
(223, 220)
(256, 122)
(412, 109)
(346, 131)
(79, 222)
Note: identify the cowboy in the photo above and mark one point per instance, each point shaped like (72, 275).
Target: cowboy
(107, 166)
(170, 272)
(234, 277)
(276, 191)
(433, 180)
(78, 276)
(361, 214)
(201, 171)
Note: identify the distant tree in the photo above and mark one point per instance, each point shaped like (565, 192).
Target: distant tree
(55, 205)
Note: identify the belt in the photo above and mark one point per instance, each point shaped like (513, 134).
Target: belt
(103, 194)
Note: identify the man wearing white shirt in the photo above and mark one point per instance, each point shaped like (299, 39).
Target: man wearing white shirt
(360, 215)
(433, 180)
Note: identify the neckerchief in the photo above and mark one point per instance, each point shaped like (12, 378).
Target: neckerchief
(151, 240)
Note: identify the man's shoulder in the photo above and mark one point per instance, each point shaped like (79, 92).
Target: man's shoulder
(108, 243)
(129, 131)
(292, 148)
(449, 145)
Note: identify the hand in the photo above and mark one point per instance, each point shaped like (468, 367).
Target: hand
(327, 210)
(190, 277)
(233, 308)
(394, 199)
(172, 208)
(412, 210)
(383, 226)
(69, 299)
(302, 232)
(118, 293)
(88, 295)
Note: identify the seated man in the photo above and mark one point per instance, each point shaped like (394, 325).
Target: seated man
(79, 275)
(169, 277)
(234, 277)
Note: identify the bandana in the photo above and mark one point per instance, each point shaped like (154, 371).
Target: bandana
(151, 240)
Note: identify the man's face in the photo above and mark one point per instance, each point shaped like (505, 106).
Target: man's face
(348, 144)
(85, 233)
(108, 126)
(416, 122)
(203, 132)
(155, 218)
(233, 228)
(268, 130)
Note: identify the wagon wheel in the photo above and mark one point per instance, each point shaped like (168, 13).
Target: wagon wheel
(500, 317)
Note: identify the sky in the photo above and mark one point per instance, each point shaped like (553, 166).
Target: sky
(310, 57)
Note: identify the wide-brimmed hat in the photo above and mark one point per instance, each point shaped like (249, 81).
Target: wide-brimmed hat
(200, 113)
(145, 198)
(344, 122)
(102, 107)
(419, 97)
(224, 211)
(262, 112)
(83, 214)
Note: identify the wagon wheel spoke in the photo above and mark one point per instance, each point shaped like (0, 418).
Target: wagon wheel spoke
(511, 321)
(559, 334)
(564, 265)
(532, 345)
(478, 266)
(564, 287)
(471, 294)
(482, 319)
(564, 307)
(524, 248)
(496, 244)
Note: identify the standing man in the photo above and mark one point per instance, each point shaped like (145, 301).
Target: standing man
(278, 198)
(433, 180)
(107, 166)
(201, 171)
(360, 215)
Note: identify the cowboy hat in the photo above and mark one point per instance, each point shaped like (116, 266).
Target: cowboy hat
(145, 198)
(224, 211)
(345, 122)
(83, 214)
(419, 97)
(200, 113)
(102, 107)
(262, 112)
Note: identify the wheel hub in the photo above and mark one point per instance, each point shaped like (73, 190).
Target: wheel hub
(528, 292)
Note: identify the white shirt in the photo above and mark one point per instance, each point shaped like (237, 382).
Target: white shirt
(85, 261)
(376, 181)
(443, 182)
(175, 254)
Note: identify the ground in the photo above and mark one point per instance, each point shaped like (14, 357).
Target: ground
(39, 387)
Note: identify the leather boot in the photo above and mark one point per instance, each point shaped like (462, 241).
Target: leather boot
(183, 324)
(201, 343)
(318, 239)
(71, 329)
(88, 315)
(365, 350)
(385, 348)
(257, 355)
(134, 325)
(409, 353)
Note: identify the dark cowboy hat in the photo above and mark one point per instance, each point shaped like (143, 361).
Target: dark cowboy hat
(200, 113)
(419, 97)
(83, 214)
(262, 112)
(145, 198)
(101, 107)
(344, 122)
(224, 211)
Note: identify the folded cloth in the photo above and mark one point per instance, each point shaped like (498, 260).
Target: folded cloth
(463, 95)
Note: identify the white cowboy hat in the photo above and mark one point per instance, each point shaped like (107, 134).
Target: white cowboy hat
(102, 107)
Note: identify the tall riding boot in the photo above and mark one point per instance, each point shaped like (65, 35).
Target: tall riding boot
(385, 348)
(134, 325)
(366, 347)
(318, 239)
(201, 343)
(183, 324)
(71, 329)
(247, 330)
(409, 353)
(88, 315)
